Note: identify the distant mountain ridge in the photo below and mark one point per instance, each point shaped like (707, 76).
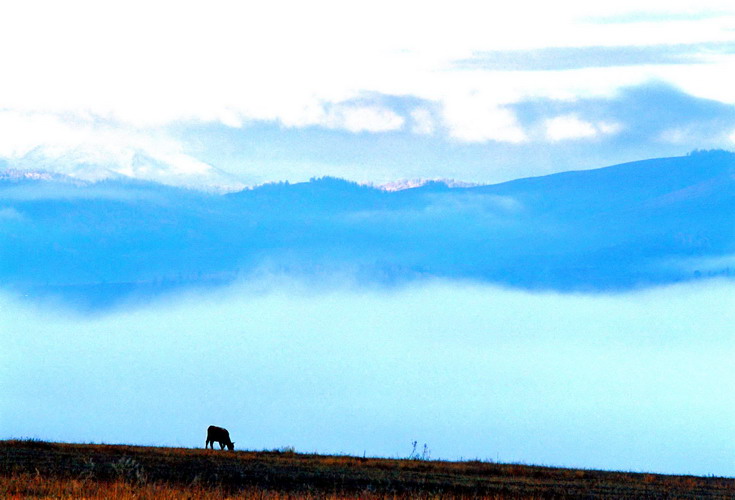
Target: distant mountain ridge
(633, 225)
(18, 175)
(402, 184)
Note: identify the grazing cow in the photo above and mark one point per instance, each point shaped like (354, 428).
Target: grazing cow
(220, 435)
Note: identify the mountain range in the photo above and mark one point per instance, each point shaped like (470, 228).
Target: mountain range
(627, 226)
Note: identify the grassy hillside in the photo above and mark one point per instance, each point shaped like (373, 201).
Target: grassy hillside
(55, 470)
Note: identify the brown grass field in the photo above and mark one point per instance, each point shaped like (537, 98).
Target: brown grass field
(37, 469)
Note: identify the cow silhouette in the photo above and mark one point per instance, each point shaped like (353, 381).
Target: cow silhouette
(220, 435)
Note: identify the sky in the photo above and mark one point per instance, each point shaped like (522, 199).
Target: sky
(226, 95)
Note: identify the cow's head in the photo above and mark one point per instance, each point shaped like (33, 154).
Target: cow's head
(231, 446)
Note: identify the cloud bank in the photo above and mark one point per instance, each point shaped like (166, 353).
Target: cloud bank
(628, 382)
(100, 96)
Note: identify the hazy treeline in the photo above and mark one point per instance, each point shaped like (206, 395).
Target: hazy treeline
(637, 224)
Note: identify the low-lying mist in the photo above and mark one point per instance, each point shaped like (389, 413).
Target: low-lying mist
(635, 381)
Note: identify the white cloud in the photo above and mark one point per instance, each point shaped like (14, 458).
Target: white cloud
(149, 65)
(423, 121)
(568, 127)
(472, 118)
(678, 135)
(691, 133)
(608, 128)
(363, 119)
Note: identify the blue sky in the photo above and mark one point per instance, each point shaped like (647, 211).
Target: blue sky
(227, 95)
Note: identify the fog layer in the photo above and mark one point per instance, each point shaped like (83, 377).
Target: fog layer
(636, 381)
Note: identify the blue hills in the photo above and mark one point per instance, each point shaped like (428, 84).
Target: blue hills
(634, 225)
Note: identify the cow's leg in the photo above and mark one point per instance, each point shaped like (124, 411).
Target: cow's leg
(221, 445)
